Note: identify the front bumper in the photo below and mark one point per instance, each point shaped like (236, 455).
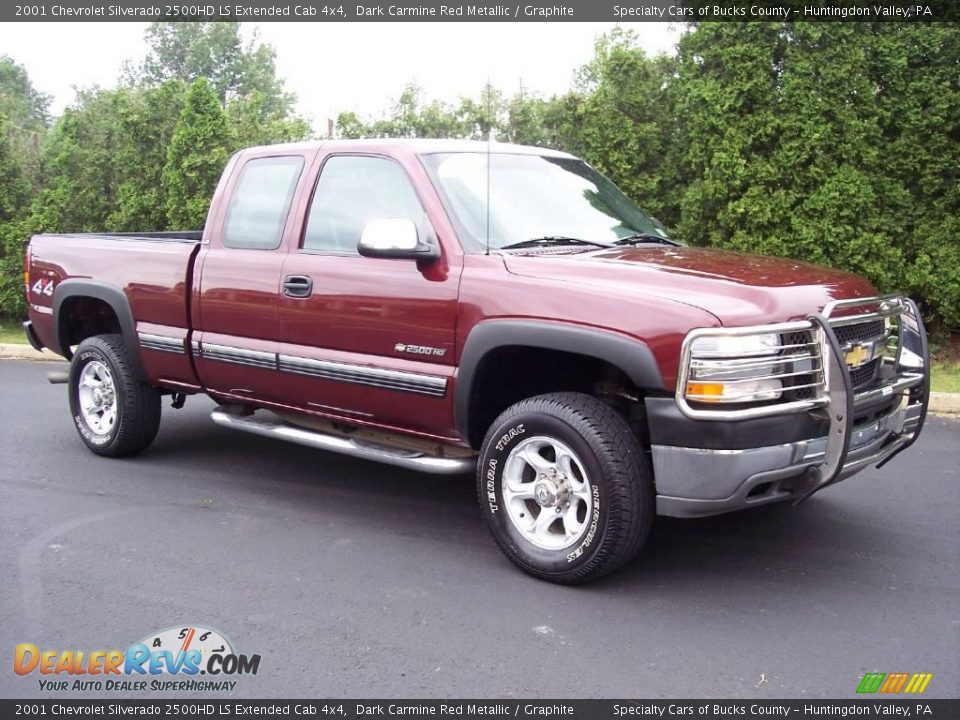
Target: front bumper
(840, 432)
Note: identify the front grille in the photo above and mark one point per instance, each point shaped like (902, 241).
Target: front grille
(865, 332)
(800, 387)
(861, 332)
(864, 375)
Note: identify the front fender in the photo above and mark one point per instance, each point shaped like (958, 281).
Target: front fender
(630, 355)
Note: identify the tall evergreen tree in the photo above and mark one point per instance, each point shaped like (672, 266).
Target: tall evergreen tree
(214, 51)
(14, 195)
(830, 142)
(196, 157)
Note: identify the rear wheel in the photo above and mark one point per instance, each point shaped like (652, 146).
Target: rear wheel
(114, 411)
(564, 486)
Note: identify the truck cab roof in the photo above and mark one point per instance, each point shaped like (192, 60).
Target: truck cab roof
(418, 146)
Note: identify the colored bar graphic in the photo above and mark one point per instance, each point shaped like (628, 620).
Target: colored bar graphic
(918, 682)
(871, 682)
(893, 683)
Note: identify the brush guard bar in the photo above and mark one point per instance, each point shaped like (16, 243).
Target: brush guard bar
(904, 377)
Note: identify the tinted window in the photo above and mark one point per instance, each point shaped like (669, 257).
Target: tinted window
(260, 203)
(351, 191)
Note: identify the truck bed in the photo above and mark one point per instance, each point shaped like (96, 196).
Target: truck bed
(153, 270)
(184, 236)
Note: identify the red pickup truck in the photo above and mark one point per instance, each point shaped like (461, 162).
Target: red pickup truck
(452, 307)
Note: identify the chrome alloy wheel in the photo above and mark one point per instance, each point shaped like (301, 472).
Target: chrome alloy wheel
(97, 397)
(547, 493)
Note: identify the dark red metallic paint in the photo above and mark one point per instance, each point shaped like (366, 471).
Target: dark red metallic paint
(362, 307)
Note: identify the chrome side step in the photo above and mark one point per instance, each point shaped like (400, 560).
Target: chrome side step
(399, 457)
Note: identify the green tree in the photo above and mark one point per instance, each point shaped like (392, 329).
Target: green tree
(147, 119)
(27, 112)
(242, 75)
(830, 142)
(252, 123)
(915, 69)
(14, 186)
(14, 195)
(618, 120)
(413, 116)
(81, 175)
(103, 160)
(349, 125)
(534, 120)
(410, 117)
(214, 51)
(196, 157)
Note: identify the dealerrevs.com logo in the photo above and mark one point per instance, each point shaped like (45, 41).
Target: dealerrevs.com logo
(169, 660)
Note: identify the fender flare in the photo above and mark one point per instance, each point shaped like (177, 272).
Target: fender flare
(112, 296)
(632, 356)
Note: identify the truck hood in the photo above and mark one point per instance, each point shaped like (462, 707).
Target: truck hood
(737, 288)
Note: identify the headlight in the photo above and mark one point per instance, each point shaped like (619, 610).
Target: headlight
(724, 346)
(734, 369)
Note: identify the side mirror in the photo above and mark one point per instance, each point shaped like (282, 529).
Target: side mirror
(394, 238)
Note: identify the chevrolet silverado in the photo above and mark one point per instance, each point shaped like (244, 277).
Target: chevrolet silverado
(453, 307)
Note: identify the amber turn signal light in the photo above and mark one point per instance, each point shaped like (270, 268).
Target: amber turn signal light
(705, 392)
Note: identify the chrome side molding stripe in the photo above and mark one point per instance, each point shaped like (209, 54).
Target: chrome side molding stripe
(376, 377)
(239, 356)
(161, 343)
(431, 385)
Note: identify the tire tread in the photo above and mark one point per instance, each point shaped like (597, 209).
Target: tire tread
(139, 417)
(631, 496)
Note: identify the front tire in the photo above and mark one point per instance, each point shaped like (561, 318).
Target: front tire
(116, 414)
(565, 488)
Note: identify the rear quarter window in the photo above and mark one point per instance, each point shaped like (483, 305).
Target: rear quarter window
(261, 202)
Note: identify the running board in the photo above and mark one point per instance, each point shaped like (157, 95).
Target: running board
(399, 457)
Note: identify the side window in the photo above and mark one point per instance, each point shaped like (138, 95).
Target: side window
(260, 203)
(351, 191)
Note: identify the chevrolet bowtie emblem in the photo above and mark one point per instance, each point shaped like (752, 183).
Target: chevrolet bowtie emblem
(858, 355)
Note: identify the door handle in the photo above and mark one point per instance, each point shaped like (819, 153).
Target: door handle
(297, 286)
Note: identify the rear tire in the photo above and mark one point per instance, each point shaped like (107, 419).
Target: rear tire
(115, 412)
(565, 487)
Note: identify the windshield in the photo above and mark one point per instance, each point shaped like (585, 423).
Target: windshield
(533, 197)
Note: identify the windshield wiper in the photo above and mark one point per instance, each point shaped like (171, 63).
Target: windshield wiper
(642, 238)
(552, 240)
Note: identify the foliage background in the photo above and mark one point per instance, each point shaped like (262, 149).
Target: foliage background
(836, 143)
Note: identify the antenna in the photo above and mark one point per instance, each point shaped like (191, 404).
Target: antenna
(489, 131)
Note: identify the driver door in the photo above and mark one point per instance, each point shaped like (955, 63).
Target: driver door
(369, 339)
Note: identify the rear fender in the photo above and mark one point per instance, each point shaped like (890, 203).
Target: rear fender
(112, 296)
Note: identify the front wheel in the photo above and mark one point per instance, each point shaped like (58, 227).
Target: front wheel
(114, 411)
(565, 487)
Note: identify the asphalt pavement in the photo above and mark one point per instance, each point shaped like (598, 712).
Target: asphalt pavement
(352, 579)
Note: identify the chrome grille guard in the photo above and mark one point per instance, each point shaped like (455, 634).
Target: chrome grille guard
(907, 376)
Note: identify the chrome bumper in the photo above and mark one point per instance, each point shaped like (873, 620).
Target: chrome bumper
(697, 481)
(32, 338)
(694, 482)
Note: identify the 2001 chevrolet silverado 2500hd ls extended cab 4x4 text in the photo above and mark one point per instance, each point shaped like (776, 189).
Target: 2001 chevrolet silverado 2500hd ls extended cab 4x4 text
(445, 306)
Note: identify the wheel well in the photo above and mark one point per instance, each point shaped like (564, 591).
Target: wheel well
(509, 374)
(81, 317)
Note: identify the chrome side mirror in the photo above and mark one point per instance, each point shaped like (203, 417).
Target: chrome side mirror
(394, 238)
